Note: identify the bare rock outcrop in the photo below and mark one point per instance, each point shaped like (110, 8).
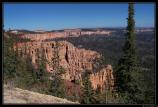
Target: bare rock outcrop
(19, 96)
(64, 34)
(43, 36)
(75, 61)
(103, 78)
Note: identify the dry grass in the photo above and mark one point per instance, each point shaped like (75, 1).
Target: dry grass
(13, 95)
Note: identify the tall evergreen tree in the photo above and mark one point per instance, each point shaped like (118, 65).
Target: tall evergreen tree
(41, 62)
(128, 74)
(57, 87)
(88, 92)
(9, 56)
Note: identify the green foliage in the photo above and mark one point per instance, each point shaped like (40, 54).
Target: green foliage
(9, 60)
(25, 75)
(41, 62)
(108, 97)
(129, 75)
(20, 70)
(57, 87)
(88, 92)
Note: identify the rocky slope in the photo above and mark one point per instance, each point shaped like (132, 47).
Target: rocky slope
(74, 60)
(19, 96)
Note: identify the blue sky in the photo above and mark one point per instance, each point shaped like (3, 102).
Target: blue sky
(60, 16)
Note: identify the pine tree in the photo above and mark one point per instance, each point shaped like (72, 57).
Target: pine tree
(9, 56)
(128, 74)
(57, 86)
(41, 61)
(88, 93)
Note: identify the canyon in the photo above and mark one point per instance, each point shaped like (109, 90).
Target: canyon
(40, 36)
(74, 61)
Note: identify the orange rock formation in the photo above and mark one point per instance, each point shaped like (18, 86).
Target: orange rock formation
(75, 61)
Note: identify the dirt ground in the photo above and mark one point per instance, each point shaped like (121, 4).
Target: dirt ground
(13, 95)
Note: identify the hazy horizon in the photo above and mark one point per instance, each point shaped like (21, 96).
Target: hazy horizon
(74, 28)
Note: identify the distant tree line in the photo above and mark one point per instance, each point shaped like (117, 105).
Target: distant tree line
(134, 68)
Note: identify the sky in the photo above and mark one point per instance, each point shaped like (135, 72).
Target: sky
(51, 16)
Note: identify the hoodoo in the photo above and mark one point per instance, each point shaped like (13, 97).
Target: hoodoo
(75, 61)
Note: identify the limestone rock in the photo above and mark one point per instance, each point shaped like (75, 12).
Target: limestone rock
(75, 61)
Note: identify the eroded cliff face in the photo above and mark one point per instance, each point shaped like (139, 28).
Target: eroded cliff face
(75, 61)
(103, 78)
(43, 36)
